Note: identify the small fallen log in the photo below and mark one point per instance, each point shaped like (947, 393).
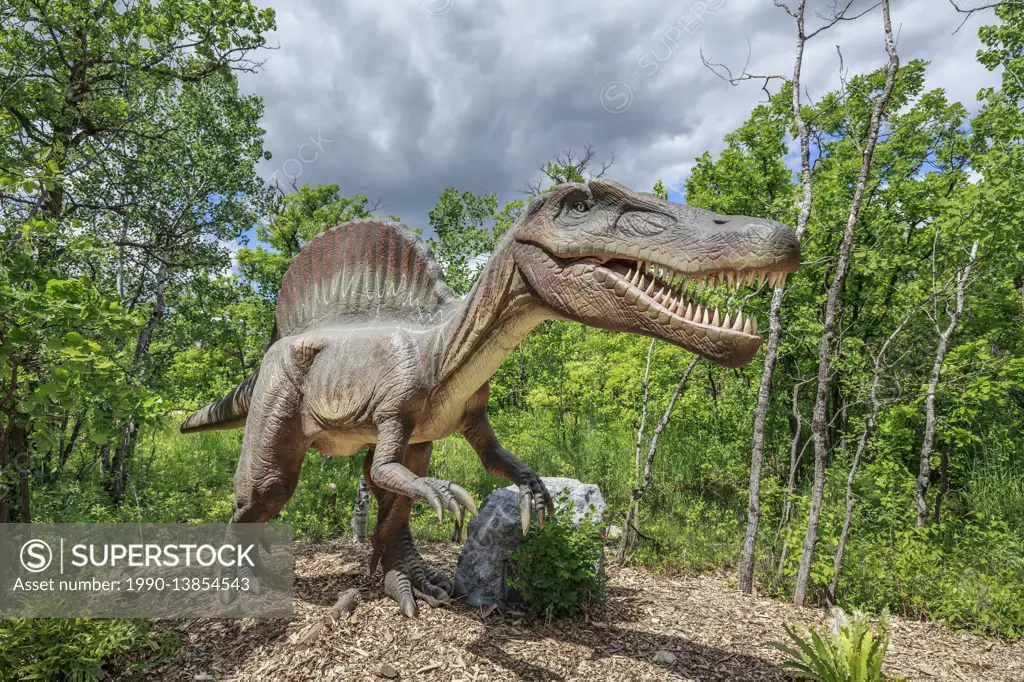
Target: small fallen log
(346, 604)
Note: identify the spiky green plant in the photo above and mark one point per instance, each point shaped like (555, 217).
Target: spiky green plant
(848, 651)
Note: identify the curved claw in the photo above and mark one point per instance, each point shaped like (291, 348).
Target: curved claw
(398, 587)
(459, 590)
(432, 600)
(463, 498)
(434, 500)
(525, 502)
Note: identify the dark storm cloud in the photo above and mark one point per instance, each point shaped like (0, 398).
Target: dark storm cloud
(398, 100)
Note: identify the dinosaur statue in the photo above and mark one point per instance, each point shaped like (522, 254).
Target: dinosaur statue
(371, 347)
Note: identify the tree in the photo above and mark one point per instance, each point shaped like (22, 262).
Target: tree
(819, 421)
(101, 105)
(751, 178)
(463, 227)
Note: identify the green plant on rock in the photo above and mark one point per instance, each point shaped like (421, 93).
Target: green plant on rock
(849, 651)
(559, 571)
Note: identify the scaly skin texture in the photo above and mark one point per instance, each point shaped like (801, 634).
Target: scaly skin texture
(595, 253)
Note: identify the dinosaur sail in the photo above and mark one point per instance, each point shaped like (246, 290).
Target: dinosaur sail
(356, 273)
(361, 271)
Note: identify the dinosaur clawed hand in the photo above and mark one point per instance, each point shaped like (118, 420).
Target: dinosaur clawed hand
(407, 577)
(441, 495)
(534, 498)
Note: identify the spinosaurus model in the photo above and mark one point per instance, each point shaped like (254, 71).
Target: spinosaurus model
(371, 347)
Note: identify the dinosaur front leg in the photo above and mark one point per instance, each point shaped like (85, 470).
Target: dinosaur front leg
(533, 494)
(406, 576)
(389, 473)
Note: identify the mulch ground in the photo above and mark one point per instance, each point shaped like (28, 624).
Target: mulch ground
(652, 628)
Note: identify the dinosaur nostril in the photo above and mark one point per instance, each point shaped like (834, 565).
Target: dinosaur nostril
(721, 221)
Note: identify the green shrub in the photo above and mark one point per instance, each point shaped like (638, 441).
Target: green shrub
(73, 649)
(849, 652)
(558, 570)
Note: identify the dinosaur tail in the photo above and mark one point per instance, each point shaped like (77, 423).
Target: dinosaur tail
(227, 413)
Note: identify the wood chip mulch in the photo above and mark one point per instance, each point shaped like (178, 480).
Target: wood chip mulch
(653, 628)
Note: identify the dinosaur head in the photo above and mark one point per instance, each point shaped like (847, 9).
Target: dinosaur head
(601, 254)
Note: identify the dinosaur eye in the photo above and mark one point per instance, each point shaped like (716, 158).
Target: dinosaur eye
(580, 207)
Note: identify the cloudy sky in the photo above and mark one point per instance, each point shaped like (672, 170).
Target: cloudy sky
(400, 99)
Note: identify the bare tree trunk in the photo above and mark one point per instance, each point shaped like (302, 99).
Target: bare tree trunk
(638, 492)
(5, 445)
(361, 512)
(125, 451)
(796, 453)
(819, 421)
(865, 436)
(925, 464)
(24, 469)
(775, 321)
(643, 415)
(627, 531)
(5, 459)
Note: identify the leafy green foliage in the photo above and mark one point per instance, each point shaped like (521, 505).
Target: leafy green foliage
(558, 570)
(850, 652)
(74, 650)
(466, 227)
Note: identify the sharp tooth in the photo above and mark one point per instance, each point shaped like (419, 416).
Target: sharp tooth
(650, 288)
(636, 279)
(730, 281)
(751, 277)
(782, 279)
(629, 275)
(716, 321)
(771, 279)
(760, 279)
(747, 327)
(754, 331)
(737, 324)
(688, 311)
(704, 318)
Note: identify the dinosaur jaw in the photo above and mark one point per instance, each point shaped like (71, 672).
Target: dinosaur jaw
(696, 310)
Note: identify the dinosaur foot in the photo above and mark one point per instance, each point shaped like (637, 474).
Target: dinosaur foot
(407, 577)
(245, 578)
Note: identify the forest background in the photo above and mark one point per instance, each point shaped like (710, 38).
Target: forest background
(889, 476)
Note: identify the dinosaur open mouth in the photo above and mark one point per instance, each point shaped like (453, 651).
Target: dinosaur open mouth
(686, 295)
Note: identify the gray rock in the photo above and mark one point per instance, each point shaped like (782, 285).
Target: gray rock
(491, 539)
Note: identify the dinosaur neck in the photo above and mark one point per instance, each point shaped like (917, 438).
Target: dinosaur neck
(499, 312)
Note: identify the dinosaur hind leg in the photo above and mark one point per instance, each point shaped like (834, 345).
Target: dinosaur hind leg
(406, 575)
(273, 448)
